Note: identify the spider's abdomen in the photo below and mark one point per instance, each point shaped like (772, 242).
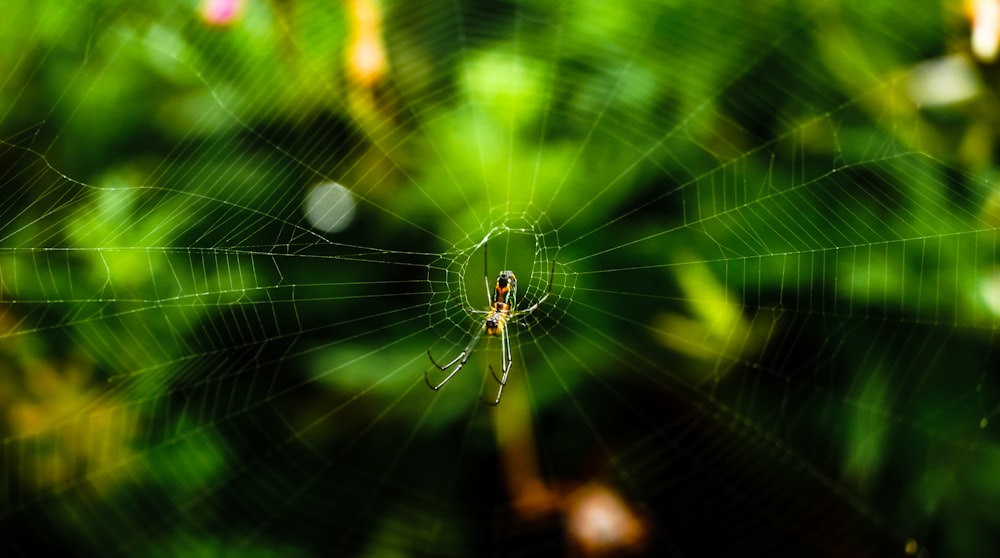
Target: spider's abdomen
(506, 285)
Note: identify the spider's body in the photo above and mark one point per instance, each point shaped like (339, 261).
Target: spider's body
(503, 303)
(501, 313)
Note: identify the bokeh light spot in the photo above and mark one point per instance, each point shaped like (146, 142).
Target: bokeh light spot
(330, 207)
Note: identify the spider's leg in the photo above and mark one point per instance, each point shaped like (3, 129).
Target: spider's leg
(446, 366)
(486, 272)
(548, 291)
(461, 359)
(495, 377)
(508, 357)
(507, 360)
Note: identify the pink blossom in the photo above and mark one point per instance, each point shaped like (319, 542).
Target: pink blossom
(221, 12)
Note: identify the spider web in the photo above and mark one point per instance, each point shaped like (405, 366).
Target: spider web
(773, 279)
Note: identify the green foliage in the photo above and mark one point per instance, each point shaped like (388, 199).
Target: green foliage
(750, 220)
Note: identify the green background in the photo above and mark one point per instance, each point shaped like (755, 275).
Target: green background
(772, 310)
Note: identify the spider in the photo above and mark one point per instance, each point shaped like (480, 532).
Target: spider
(499, 315)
